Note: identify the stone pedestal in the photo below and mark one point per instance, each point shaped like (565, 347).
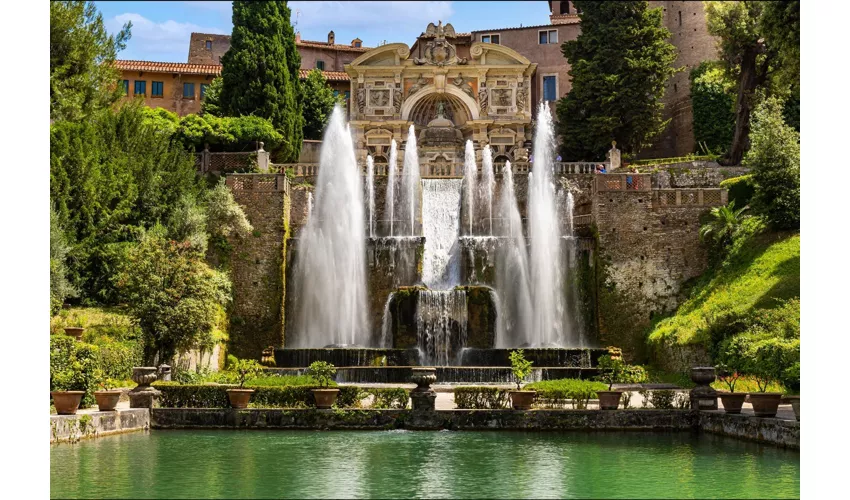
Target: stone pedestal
(143, 395)
(703, 396)
(423, 397)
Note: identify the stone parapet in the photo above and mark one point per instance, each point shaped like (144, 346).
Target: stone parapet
(72, 428)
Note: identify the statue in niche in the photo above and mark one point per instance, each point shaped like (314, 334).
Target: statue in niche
(419, 84)
(441, 109)
(521, 96)
(482, 98)
(464, 85)
(397, 100)
(361, 100)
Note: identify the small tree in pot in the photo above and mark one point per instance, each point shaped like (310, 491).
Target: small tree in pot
(65, 398)
(766, 364)
(729, 375)
(521, 369)
(107, 398)
(324, 374)
(611, 371)
(244, 369)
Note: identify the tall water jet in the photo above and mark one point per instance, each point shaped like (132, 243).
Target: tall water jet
(392, 170)
(512, 287)
(470, 175)
(370, 189)
(488, 184)
(410, 182)
(546, 270)
(330, 272)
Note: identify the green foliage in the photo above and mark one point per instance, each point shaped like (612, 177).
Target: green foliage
(389, 397)
(318, 104)
(520, 367)
(741, 189)
(323, 372)
(556, 393)
(619, 65)
(245, 369)
(613, 370)
(116, 358)
(174, 295)
(774, 156)
(481, 398)
(712, 99)
(72, 367)
(662, 399)
(225, 217)
(260, 72)
(112, 177)
(188, 224)
(60, 287)
(780, 23)
(723, 224)
(175, 395)
(82, 77)
(211, 105)
(226, 133)
(160, 119)
(282, 381)
(747, 383)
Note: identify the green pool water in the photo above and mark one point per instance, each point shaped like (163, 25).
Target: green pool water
(403, 464)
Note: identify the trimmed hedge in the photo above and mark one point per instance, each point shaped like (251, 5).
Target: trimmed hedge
(175, 395)
(741, 189)
(481, 398)
(558, 393)
(388, 397)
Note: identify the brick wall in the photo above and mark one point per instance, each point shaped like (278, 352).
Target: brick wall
(200, 54)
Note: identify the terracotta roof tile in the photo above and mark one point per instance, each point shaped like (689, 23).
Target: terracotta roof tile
(496, 30)
(335, 76)
(336, 46)
(168, 67)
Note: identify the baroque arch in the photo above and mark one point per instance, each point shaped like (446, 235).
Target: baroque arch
(428, 92)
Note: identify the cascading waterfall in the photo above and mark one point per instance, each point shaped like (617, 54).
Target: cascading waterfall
(370, 188)
(512, 287)
(441, 326)
(470, 175)
(386, 325)
(573, 298)
(330, 271)
(392, 170)
(546, 270)
(309, 204)
(488, 184)
(441, 224)
(410, 182)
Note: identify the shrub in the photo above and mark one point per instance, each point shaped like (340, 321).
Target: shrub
(175, 395)
(72, 367)
(60, 287)
(741, 189)
(389, 397)
(322, 372)
(520, 367)
(245, 369)
(713, 100)
(229, 133)
(118, 357)
(663, 399)
(612, 370)
(556, 393)
(723, 224)
(481, 398)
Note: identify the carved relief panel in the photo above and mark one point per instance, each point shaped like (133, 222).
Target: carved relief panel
(502, 96)
(382, 98)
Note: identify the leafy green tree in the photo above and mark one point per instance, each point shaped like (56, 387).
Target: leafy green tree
(60, 287)
(82, 77)
(176, 297)
(211, 105)
(110, 178)
(229, 133)
(620, 63)
(712, 99)
(775, 159)
(723, 225)
(319, 102)
(780, 21)
(260, 72)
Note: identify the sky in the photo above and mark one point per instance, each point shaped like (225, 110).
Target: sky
(161, 29)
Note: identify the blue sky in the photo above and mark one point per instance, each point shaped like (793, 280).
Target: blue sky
(161, 29)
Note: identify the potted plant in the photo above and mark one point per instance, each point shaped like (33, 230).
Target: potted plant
(76, 326)
(521, 368)
(244, 369)
(66, 400)
(732, 401)
(107, 398)
(323, 373)
(792, 382)
(611, 371)
(766, 365)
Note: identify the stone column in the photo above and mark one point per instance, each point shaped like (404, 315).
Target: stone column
(703, 396)
(143, 395)
(423, 397)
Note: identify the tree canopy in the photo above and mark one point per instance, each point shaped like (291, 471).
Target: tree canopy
(82, 77)
(619, 65)
(260, 72)
(319, 101)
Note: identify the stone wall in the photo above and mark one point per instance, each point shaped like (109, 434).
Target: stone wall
(92, 424)
(257, 264)
(694, 174)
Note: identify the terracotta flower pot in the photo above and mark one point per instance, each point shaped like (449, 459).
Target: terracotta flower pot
(522, 400)
(765, 404)
(732, 401)
(67, 402)
(795, 404)
(107, 400)
(75, 331)
(239, 398)
(325, 398)
(609, 400)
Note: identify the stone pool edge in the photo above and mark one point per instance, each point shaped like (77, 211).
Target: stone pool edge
(72, 428)
(777, 432)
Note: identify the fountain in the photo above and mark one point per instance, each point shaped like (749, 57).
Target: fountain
(330, 274)
(370, 189)
(410, 182)
(488, 184)
(392, 170)
(470, 174)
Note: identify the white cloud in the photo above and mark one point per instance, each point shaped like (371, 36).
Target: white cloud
(149, 37)
(399, 15)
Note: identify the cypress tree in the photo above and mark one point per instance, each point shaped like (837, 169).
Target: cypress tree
(619, 65)
(260, 72)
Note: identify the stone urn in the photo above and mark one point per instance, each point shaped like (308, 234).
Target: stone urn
(325, 398)
(67, 402)
(143, 395)
(239, 398)
(423, 398)
(74, 331)
(703, 396)
(609, 400)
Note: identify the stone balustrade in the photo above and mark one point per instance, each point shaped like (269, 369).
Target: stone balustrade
(704, 197)
(450, 169)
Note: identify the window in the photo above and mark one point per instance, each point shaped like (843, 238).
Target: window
(546, 37)
(336, 93)
(126, 84)
(204, 87)
(188, 90)
(565, 7)
(139, 87)
(209, 45)
(550, 88)
(680, 18)
(357, 44)
(320, 64)
(490, 39)
(347, 95)
(156, 89)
